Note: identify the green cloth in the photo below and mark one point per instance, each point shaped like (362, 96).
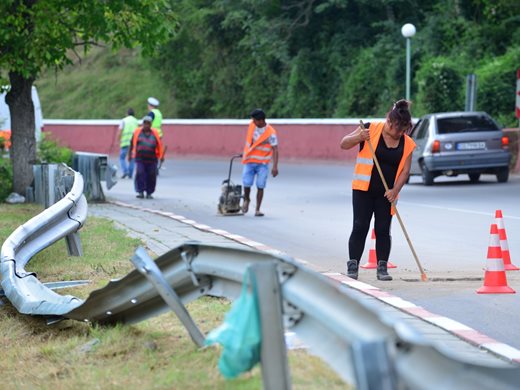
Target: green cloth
(240, 335)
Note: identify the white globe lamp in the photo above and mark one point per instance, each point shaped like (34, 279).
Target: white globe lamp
(408, 31)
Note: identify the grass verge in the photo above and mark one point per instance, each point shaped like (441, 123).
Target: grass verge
(103, 86)
(154, 354)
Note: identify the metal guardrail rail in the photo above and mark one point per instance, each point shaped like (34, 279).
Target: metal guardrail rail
(59, 220)
(364, 345)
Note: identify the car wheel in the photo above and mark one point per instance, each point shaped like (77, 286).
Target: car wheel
(503, 175)
(427, 176)
(473, 177)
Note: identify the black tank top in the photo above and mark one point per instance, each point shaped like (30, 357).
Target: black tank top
(389, 159)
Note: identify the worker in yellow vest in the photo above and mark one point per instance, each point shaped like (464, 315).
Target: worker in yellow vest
(393, 149)
(125, 133)
(155, 114)
(261, 147)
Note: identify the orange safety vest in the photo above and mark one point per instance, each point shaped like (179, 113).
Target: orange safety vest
(261, 151)
(365, 162)
(6, 135)
(159, 148)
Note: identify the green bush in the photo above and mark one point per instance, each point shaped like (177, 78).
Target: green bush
(51, 152)
(374, 80)
(496, 86)
(363, 89)
(440, 87)
(6, 177)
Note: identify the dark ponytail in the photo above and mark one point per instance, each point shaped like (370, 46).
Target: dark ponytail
(399, 116)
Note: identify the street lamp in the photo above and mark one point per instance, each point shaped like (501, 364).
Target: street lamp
(408, 31)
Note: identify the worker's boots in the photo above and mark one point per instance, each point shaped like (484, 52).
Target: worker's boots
(382, 272)
(352, 269)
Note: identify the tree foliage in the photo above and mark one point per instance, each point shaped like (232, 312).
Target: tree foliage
(312, 58)
(496, 79)
(40, 34)
(439, 86)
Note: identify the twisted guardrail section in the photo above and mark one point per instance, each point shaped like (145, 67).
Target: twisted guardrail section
(61, 219)
(364, 344)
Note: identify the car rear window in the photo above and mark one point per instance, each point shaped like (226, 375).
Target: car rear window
(465, 124)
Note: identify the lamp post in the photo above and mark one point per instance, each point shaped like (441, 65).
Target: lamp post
(408, 31)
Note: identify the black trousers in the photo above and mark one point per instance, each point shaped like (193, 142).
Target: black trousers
(365, 204)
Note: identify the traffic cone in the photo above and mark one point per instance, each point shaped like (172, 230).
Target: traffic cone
(508, 266)
(372, 257)
(495, 281)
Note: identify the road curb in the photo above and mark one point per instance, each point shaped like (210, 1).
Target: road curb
(453, 327)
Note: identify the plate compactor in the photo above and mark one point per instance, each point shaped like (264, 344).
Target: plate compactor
(229, 202)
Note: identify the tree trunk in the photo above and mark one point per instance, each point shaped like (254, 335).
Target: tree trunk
(23, 148)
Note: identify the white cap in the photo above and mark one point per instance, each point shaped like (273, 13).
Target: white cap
(153, 101)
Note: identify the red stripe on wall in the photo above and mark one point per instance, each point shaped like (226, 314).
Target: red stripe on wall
(313, 141)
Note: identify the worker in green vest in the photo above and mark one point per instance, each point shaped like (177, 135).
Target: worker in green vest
(155, 114)
(125, 133)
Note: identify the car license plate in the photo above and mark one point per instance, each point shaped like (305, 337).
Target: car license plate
(471, 145)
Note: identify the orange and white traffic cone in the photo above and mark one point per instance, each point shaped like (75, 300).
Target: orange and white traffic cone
(506, 256)
(372, 256)
(495, 281)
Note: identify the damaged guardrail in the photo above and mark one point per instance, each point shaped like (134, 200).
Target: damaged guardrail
(59, 220)
(365, 345)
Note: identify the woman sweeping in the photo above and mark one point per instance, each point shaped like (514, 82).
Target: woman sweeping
(393, 149)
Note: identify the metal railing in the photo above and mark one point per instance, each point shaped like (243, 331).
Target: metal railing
(59, 220)
(95, 168)
(365, 345)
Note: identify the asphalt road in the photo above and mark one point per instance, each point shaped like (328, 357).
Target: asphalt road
(308, 214)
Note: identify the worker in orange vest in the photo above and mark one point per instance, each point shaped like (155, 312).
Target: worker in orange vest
(261, 147)
(393, 149)
(146, 148)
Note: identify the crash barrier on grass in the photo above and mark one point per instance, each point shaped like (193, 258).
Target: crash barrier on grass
(365, 345)
(95, 168)
(51, 183)
(59, 220)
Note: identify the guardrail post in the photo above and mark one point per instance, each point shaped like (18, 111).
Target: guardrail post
(275, 369)
(372, 365)
(73, 242)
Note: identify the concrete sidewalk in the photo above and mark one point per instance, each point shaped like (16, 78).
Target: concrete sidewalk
(161, 231)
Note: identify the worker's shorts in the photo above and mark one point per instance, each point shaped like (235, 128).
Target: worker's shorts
(250, 170)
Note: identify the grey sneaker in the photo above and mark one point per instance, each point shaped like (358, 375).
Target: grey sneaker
(140, 195)
(382, 272)
(352, 269)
